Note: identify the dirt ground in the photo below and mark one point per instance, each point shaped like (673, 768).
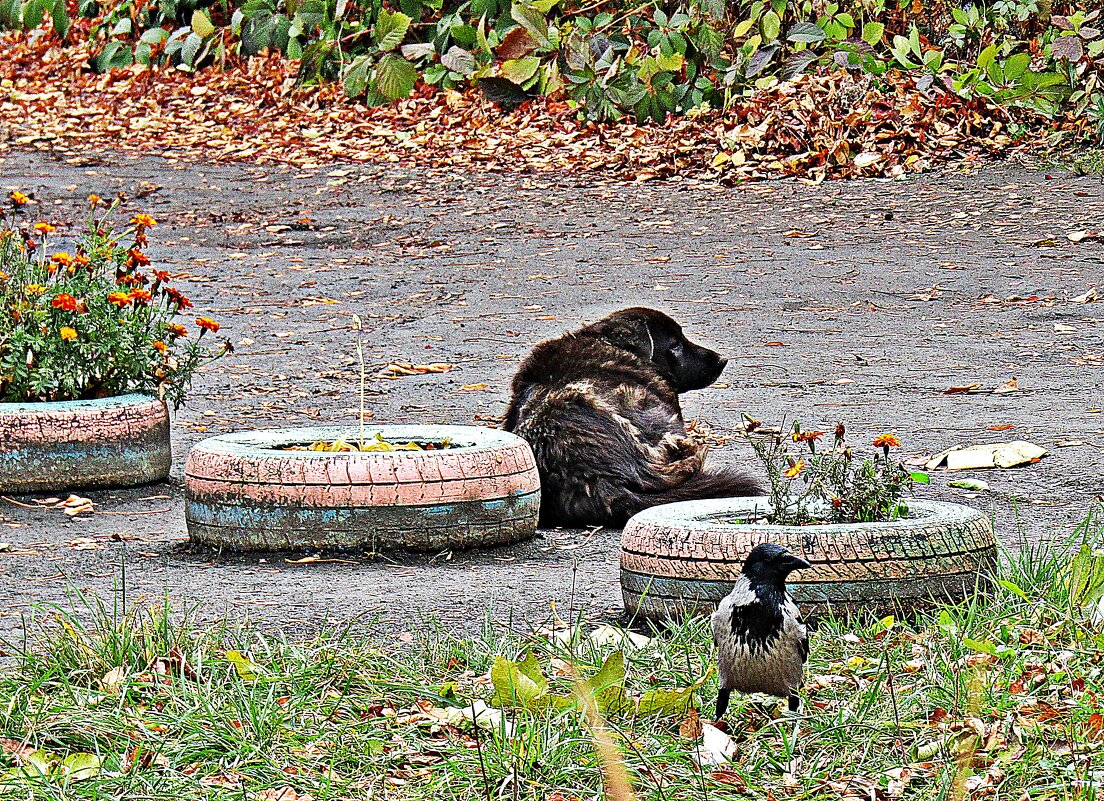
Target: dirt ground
(853, 301)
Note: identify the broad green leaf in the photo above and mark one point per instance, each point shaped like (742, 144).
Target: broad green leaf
(518, 684)
(608, 685)
(79, 767)
(459, 60)
(520, 70)
(544, 6)
(37, 763)
(982, 646)
(986, 56)
(395, 77)
(805, 32)
(670, 63)
(59, 15)
(743, 27)
(201, 23)
(771, 25)
(872, 33)
(1016, 66)
(969, 484)
(245, 667)
(356, 76)
(669, 702)
(532, 20)
(885, 624)
(919, 477)
(389, 31)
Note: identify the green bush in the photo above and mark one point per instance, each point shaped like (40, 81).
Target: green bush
(91, 324)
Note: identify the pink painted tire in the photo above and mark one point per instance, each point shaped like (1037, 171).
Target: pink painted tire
(246, 492)
(680, 559)
(108, 442)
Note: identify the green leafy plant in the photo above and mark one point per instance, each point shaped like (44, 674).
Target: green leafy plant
(92, 323)
(830, 485)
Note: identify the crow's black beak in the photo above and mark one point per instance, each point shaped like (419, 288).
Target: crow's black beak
(797, 563)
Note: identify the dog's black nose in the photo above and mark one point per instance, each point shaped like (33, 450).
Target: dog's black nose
(723, 362)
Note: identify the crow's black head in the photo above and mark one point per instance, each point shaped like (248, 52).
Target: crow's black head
(771, 564)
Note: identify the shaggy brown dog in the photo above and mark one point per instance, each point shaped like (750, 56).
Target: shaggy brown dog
(600, 409)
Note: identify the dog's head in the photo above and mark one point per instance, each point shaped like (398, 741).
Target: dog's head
(655, 337)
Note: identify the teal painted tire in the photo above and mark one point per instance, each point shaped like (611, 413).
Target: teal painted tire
(87, 444)
(680, 559)
(246, 492)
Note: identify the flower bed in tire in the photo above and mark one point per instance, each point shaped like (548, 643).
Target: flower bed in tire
(248, 492)
(109, 442)
(680, 559)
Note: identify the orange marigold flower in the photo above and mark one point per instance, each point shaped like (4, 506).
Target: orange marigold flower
(136, 258)
(62, 258)
(177, 297)
(120, 299)
(44, 227)
(80, 260)
(140, 296)
(207, 324)
(807, 436)
(143, 221)
(160, 347)
(67, 334)
(177, 330)
(4, 276)
(161, 275)
(18, 199)
(64, 302)
(95, 200)
(795, 468)
(886, 441)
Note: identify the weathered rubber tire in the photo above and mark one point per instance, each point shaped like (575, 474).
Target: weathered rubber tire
(62, 445)
(680, 559)
(245, 493)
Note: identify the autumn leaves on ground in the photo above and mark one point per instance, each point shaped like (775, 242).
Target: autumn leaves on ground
(997, 698)
(832, 125)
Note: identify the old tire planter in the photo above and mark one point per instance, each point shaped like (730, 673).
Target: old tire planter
(61, 445)
(244, 492)
(680, 559)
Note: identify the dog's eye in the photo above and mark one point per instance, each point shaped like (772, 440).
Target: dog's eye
(676, 348)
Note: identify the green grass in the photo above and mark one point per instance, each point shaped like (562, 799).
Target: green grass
(1081, 161)
(991, 698)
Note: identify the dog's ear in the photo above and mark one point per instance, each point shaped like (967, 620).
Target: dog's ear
(630, 332)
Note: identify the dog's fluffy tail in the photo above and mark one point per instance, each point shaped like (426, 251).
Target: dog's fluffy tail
(725, 482)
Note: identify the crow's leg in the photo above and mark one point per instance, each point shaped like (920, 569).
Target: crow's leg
(722, 702)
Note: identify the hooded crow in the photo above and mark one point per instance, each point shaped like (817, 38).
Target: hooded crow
(762, 643)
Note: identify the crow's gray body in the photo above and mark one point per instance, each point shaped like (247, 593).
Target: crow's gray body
(761, 643)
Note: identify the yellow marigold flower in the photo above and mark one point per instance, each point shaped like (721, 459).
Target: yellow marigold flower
(120, 299)
(44, 228)
(19, 199)
(4, 276)
(34, 289)
(68, 334)
(62, 258)
(886, 441)
(160, 347)
(795, 468)
(143, 221)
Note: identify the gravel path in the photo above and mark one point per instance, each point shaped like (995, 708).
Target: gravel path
(857, 301)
